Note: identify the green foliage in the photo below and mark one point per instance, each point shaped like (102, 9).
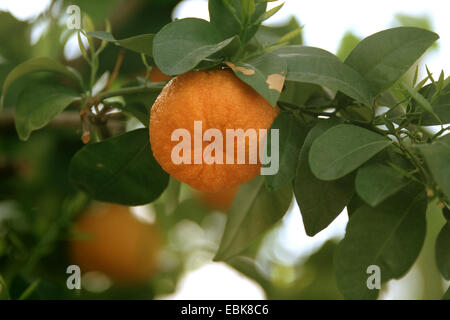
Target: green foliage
(254, 210)
(320, 201)
(120, 169)
(314, 65)
(4, 294)
(195, 40)
(437, 157)
(440, 104)
(376, 182)
(348, 42)
(389, 236)
(447, 295)
(266, 74)
(142, 43)
(231, 17)
(291, 136)
(342, 149)
(442, 252)
(338, 148)
(385, 56)
(35, 65)
(39, 103)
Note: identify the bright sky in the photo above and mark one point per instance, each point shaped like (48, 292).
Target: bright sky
(325, 21)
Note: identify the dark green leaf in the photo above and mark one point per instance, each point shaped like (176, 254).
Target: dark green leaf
(342, 149)
(446, 213)
(389, 236)
(194, 40)
(102, 35)
(446, 295)
(441, 106)
(320, 201)
(443, 251)
(254, 210)
(39, 103)
(375, 182)
(4, 294)
(437, 158)
(225, 15)
(314, 65)
(14, 37)
(139, 105)
(267, 35)
(269, 13)
(119, 170)
(291, 137)
(142, 43)
(354, 205)
(298, 93)
(348, 43)
(265, 74)
(384, 57)
(35, 65)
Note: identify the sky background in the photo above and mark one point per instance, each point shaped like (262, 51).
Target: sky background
(325, 22)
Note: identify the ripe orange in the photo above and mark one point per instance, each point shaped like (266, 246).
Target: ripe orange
(114, 242)
(220, 200)
(157, 76)
(221, 101)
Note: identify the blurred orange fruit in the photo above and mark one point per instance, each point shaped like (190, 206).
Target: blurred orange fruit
(220, 200)
(114, 242)
(220, 101)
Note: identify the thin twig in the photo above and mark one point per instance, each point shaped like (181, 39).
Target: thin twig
(116, 69)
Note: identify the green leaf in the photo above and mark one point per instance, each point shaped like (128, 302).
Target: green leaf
(14, 48)
(35, 65)
(446, 213)
(225, 15)
(254, 210)
(292, 134)
(348, 42)
(320, 201)
(102, 35)
(437, 158)
(265, 74)
(420, 99)
(267, 35)
(299, 94)
(194, 40)
(314, 65)
(139, 105)
(342, 149)
(440, 107)
(120, 170)
(389, 236)
(376, 182)
(142, 43)
(4, 293)
(247, 9)
(384, 57)
(443, 251)
(446, 295)
(268, 14)
(39, 103)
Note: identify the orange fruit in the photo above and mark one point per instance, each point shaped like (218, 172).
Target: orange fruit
(220, 200)
(112, 241)
(157, 76)
(220, 101)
